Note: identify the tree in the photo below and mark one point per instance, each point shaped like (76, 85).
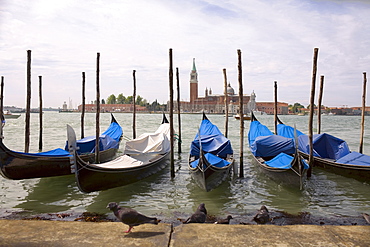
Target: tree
(296, 107)
(102, 101)
(111, 99)
(139, 100)
(121, 99)
(129, 100)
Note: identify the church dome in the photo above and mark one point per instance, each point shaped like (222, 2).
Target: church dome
(230, 90)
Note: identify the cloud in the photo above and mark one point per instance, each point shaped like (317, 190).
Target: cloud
(276, 39)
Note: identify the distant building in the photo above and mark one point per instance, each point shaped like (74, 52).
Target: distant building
(113, 108)
(268, 107)
(211, 103)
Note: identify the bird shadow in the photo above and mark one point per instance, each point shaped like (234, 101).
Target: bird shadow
(143, 234)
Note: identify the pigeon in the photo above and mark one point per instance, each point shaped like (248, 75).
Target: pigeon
(366, 217)
(262, 216)
(130, 216)
(199, 216)
(224, 221)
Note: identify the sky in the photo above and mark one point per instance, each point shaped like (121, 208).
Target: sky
(276, 39)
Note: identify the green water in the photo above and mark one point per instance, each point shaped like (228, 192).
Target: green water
(324, 194)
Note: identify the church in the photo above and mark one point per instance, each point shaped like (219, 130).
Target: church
(212, 103)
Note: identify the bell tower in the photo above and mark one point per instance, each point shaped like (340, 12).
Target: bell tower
(193, 83)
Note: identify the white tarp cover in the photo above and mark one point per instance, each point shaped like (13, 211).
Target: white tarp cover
(142, 149)
(157, 142)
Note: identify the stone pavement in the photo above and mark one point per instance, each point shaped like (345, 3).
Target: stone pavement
(67, 233)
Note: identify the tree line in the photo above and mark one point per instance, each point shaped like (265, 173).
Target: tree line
(121, 99)
(297, 107)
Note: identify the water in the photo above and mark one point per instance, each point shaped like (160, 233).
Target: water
(325, 194)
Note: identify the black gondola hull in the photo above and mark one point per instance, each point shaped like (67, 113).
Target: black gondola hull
(92, 178)
(287, 177)
(211, 177)
(14, 165)
(360, 173)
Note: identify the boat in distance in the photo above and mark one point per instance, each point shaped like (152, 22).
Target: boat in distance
(277, 156)
(331, 153)
(143, 156)
(20, 165)
(211, 156)
(10, 115)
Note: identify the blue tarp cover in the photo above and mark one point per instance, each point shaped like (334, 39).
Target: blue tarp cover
(264, 143)
(213, 160)
(265, 146)
(355, 158)
(109, 139)
(212, 141)
(282, 161)
(287, 131)
(257, 129)
(51, 153)
(325, 146)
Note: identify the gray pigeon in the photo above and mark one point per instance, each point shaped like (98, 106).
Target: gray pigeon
(130, 216)
(262, 216)
(199, 216)
(224, 221)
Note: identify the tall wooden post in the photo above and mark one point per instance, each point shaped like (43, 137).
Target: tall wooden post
(312, 102)
(171, 115)
(40, 113)
(2, 118)
(83, 107)
(226, 101)
(363, 114)
(178, 109)
(241, 114)
(28, 104)
(321, 92)
(97, 148)
(275, 107)
(134, 109)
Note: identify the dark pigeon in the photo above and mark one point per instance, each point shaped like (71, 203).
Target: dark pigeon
(224, 221)
(262, 216)
(199, 216)
(130, 216)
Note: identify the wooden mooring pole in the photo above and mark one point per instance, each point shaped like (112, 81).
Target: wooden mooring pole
(134, 103)
(178, 110)
(312, 102)
(171, 114)
(241, 114)
(321, 92)
(226, 101)
(28, 105)
(97, 159)
(363, 114)
(40, 113)
(83, 107)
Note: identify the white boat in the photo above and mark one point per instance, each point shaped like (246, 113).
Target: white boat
(9, 115)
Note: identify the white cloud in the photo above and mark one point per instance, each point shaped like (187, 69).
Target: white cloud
(276, 39)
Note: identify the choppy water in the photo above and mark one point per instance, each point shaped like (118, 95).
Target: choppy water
(324, 194)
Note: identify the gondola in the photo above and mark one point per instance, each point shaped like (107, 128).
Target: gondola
(331, 153)
(276, 155)
(19, 165)
(144, 156)
(211, 156)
